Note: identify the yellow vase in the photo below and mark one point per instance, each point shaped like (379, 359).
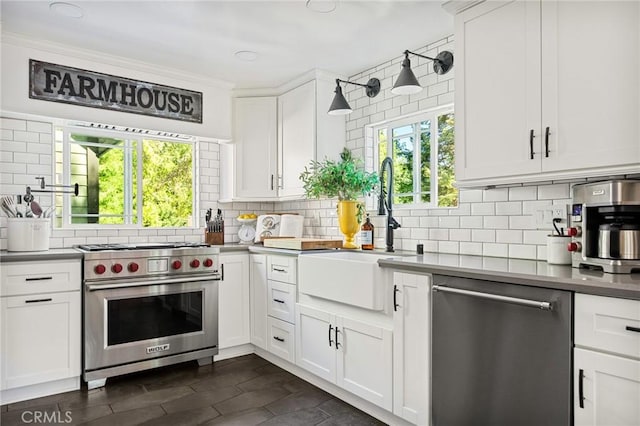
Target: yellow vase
(348, 220)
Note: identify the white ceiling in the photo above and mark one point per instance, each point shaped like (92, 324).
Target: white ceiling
(201, 37)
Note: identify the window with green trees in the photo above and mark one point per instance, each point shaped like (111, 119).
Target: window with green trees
(422, 148)
(124, 179)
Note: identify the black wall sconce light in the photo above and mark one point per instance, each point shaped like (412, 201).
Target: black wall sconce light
(340, 106)
(407, 83)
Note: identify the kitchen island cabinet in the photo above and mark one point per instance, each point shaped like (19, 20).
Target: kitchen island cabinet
(40, 327)
(526, 88)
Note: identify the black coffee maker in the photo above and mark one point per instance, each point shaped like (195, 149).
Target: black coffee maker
(605, 226)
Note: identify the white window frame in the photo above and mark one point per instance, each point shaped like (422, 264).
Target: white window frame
(426, 115)
(129, 138)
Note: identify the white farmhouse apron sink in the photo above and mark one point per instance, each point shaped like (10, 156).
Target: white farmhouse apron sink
(353, 278)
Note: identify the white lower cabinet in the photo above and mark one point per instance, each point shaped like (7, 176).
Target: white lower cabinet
(411, 336)
(606, 361)
(355, 355)
(258, 298)
(233, 301)
(40, 327)
(281, 338)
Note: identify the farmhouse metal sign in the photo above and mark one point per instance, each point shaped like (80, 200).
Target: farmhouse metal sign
(58, 83)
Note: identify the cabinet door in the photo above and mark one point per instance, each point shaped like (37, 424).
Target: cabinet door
(233, 301)
(296, 133)
(315, 342)
(611, 389)
(258, 297)
(255, 139)
(364, 365)
(591, 83)
(497, 89)
(411, 347)
(40, 338)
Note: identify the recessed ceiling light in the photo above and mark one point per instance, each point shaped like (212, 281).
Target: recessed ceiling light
(322, 6)
(246, 55)
(66, 9)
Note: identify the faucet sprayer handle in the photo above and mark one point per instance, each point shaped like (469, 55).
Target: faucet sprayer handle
(393, 224)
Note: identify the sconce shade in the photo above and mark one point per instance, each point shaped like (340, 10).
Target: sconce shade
(406, 83)
(339, 105)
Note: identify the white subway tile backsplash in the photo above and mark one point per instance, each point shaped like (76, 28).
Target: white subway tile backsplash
(496, 222)
(536, 237)
(522, 193)
(521, 251)
(483, 209)
(522, 222)
(509, 236)
(550, 192)
(471, 248)
(439, 234)
(448, 247)
(495, 249)
(470, 195)
(460, 234)
(473, 222)
(448, 221)
(509, 208)
(483, 235)
(496, 194)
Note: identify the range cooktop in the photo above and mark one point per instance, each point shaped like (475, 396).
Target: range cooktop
(140, 246)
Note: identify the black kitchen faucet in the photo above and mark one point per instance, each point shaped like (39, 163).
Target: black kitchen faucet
(388, 203)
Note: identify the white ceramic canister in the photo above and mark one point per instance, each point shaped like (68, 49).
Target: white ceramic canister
(557, 252)
(28, 234)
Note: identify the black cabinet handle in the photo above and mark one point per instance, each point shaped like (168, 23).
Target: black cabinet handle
(279, 269)
(330, 329)
(38, 300)
(279, 339)
(38, 279)
(395, 298)
(581, 387)
(546, 142)
(278, 300)
(337, 343)
(222, 272)
(531, 143)
(272, 182)
(629, 328)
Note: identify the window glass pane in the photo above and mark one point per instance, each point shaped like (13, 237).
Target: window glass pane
(403, 131)
(403, 169)
(447, 194)
(99, 171)
(382, 145)
(167, 176)
(425, 161)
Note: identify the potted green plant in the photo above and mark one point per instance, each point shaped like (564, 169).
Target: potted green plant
(345, 179)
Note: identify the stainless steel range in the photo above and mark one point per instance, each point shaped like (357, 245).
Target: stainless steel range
(147, 306)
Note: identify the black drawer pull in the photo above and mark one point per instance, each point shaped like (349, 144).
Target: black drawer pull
(38, 300)
(279, 339)
(629, 328)
(38, 279)
(337, 343)
(395, 298)
(279, 269)
(581, 387)
(330, 329)
(546, 142)
(278, 300)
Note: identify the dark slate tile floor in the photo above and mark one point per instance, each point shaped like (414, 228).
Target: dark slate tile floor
(242, 391)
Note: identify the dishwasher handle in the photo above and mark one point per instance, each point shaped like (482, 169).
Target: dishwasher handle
(545, 306)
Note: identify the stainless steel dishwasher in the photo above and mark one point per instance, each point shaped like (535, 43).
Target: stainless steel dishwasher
(501, 354)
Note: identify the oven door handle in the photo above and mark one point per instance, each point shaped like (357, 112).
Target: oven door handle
(96, 287)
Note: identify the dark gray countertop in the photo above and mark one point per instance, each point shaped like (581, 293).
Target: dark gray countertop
(519, 271)
(30, 256)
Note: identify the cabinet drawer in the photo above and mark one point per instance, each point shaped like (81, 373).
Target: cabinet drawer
(282, 301)
(39, 277)
(607, 323)
(281, 339)
(282, 268)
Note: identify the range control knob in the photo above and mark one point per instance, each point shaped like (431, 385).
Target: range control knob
(100, 269)
(176, 264)
(575, 232)
(133, 267)
(195, 263)
(208, 263)
(577, 247)
(116, 268)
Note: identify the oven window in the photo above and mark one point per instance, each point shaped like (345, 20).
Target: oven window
(142, 318)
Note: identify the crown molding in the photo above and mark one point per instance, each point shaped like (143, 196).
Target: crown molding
(456, 6)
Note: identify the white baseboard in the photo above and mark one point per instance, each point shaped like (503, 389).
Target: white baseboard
(24, 393)
(234, 352)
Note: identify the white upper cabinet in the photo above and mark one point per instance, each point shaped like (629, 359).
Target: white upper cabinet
(547, 90)
(276, 137)
(255, 155)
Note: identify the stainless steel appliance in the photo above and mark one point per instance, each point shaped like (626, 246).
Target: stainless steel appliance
(501, 354)
(147, 306)
(605, 226)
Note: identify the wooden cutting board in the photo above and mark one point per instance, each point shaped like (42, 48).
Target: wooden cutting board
(302, 243)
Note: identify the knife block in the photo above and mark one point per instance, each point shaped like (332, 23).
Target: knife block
(214, 238)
